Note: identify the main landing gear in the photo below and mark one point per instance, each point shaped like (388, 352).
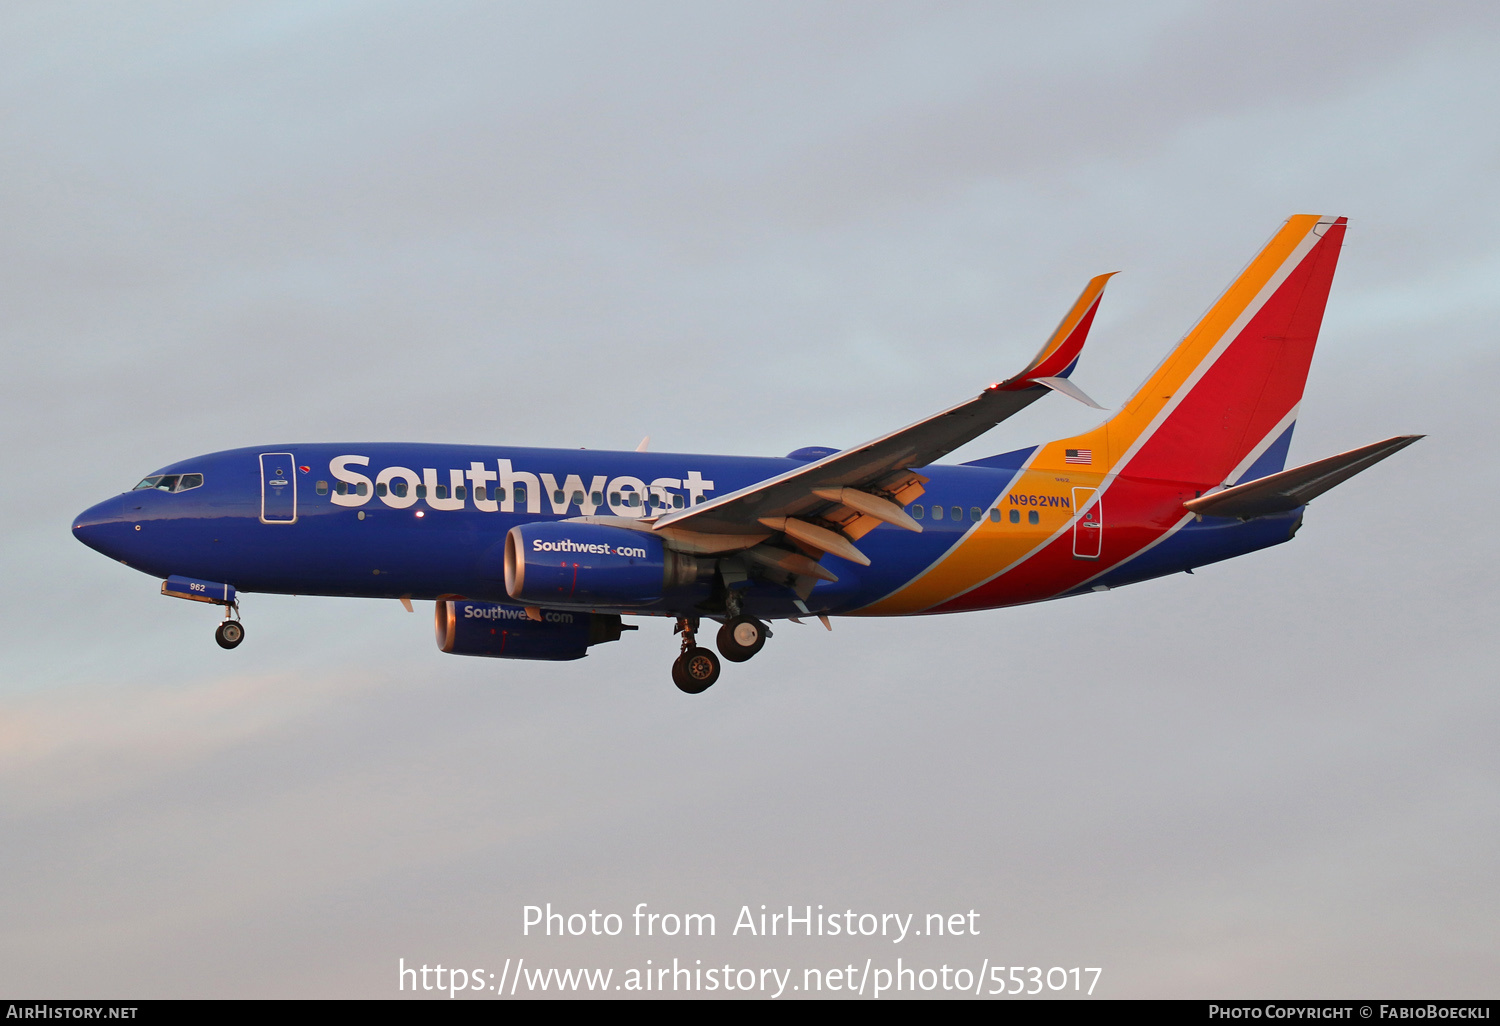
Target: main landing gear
(697, 668)
(741, 638)
(230, 632)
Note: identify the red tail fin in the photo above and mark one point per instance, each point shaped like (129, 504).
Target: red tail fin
(1231, 389)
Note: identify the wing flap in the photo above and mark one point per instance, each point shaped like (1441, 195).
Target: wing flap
(793, 564)
(870, 504)
(820, 538)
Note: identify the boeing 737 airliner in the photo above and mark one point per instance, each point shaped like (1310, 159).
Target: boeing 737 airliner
(538, 553)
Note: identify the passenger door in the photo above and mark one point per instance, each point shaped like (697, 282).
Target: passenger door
(278, 488)
(1088, 529)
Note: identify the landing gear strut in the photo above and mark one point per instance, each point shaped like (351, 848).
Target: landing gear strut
(741, 638)
(230, 632)
(696, 668)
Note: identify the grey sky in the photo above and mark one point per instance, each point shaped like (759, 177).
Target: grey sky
(742, 228)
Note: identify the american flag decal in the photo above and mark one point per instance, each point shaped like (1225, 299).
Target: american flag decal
(1078, 456)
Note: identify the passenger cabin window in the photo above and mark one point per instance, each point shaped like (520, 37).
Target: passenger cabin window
(442, 491)
(380, 489)
(975, 513)
(520, 493)
(342, 488)
(937, 512)
(634, 500)
(364, 488)
(481, 494)
(597, 498)
(995, 515)
(918, 512)
(421, 491)
(321, 487)
(1015, 516)
(676, 501)
(557, 497)
(460, 492)
(578, 498)
(1033, 517)
(958, 512)
(399, 487)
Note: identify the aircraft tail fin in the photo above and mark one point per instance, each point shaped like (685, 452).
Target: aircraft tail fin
(1289, 489)
(1221, 407)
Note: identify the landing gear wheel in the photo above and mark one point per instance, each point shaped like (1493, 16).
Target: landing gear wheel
(695, 670)
(230, 633)
(741, 638)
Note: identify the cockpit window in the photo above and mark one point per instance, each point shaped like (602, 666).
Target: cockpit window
(170, 483)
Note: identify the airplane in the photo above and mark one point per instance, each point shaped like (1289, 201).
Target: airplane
(533, 553)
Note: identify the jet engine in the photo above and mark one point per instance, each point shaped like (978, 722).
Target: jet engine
(509, 632)
(591, 565)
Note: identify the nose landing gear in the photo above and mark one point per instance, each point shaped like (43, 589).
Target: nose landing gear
(696, 668)
(231, 632)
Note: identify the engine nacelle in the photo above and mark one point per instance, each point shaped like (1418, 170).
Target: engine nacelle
(506, 632)
(591, 565)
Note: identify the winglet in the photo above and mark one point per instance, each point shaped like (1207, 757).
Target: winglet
(1060, 354)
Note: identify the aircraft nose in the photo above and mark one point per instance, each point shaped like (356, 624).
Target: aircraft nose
(101, 527)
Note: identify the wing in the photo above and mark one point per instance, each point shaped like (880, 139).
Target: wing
(826, 505)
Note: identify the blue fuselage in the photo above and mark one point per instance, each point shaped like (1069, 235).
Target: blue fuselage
(428, 521)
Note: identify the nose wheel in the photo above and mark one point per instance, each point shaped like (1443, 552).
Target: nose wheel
(230, 633)
(696, 668)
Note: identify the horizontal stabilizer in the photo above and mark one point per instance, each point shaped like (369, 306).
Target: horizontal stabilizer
(1296, 487)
